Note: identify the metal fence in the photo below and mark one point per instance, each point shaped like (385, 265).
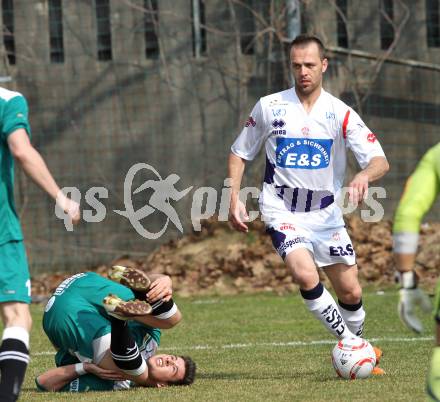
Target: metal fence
(112, 83)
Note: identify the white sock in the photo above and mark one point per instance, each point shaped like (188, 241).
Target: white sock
(19, 333)
(322, 305)
(353, 318)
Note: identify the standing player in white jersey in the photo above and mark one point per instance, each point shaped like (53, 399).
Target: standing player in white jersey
(306, 132)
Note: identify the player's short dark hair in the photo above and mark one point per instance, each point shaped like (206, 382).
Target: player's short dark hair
(305, 39)
(190, 372)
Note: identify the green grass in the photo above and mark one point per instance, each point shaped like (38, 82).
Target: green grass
(244, 354)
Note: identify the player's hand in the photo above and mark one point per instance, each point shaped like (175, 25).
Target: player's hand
(161, 288)
(103, 373)
(410, 297)
(70, 207)
(237, 216)
(358, 188)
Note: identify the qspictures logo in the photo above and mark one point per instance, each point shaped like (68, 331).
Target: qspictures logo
(161, 194)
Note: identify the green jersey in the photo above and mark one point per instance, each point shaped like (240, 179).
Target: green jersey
(13, 115)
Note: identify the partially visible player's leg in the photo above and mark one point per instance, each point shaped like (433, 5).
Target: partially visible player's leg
(293, 244)
(344, 280)
(124, 350)
(334, 253)
(316, 297)
(433, 381)
(16, 317)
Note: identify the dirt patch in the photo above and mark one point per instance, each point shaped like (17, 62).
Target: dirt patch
(220, 260)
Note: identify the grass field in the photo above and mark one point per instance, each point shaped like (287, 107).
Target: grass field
(266, 348)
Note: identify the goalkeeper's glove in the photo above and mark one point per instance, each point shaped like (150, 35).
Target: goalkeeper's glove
(410, 297)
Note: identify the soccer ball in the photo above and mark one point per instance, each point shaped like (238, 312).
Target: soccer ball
(353, 358)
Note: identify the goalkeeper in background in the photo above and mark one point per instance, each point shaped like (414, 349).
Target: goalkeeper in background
(420, 193)
(421, 190)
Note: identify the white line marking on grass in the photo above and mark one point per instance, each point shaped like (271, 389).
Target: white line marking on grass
(292, 343)
(276, 344)
(209, 301)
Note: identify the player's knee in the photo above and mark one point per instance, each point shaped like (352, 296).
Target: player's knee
(17, 314)
(351, 295)
(305, 278)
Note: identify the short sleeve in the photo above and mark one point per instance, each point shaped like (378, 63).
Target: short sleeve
(15, 116)
(360, 139)
(248, 143)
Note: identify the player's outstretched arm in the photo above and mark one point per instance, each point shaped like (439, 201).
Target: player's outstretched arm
(34, 166)
(377, 168)
(358, 187)
(237, 210)
(56, 378)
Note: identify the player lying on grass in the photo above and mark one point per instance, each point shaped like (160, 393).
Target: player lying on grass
(108, 342)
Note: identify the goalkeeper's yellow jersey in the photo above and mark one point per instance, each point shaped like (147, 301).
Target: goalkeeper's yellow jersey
(421, 190)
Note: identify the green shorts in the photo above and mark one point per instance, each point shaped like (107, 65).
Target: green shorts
(15, 283)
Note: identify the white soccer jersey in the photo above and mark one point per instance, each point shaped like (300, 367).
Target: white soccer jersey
(305, 153)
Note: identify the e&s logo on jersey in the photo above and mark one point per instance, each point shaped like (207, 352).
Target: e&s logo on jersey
(303, 153)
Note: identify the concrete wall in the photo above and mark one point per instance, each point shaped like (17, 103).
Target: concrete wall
(92, 120)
